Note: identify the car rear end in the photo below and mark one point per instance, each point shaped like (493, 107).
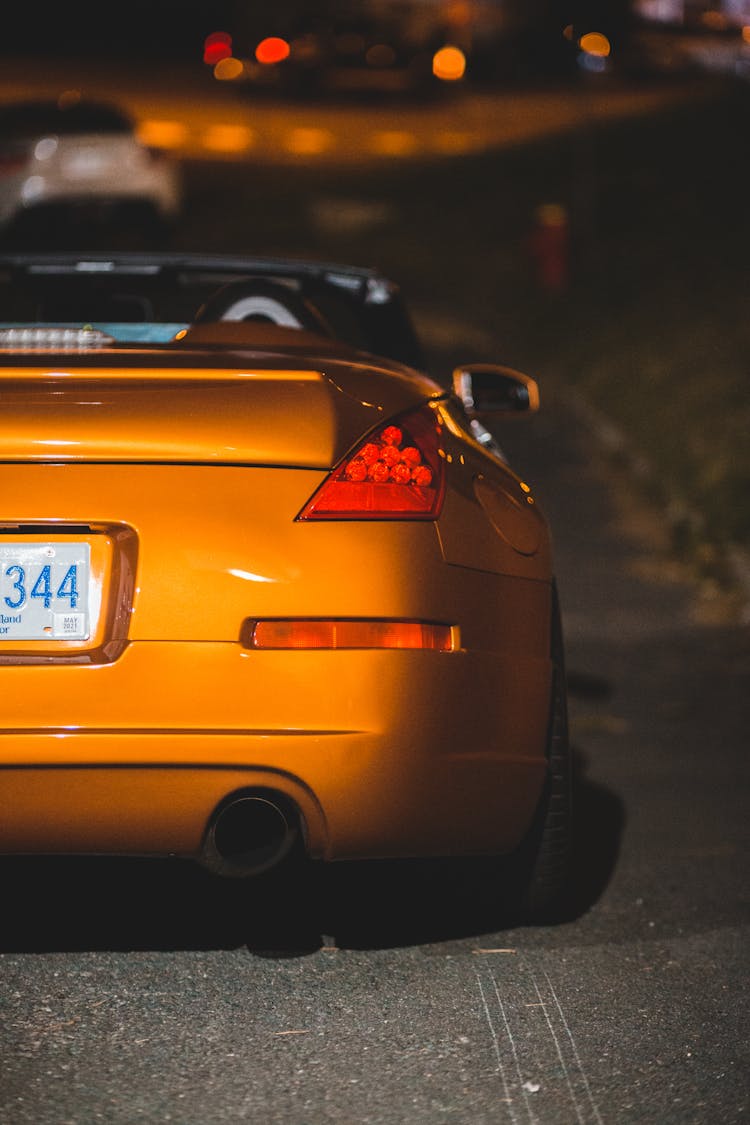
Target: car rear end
(211, 642)
(84, 160)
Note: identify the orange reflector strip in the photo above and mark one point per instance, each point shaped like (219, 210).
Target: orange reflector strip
(350, 634)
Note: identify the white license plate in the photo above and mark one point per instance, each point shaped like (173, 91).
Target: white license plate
(44, 591)
(86, 163)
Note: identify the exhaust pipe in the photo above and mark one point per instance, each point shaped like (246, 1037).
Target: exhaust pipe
(249, 834)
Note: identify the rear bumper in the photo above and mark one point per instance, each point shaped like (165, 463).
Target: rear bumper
(380, 752)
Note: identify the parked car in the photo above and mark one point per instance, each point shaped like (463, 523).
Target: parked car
(79, 160)
(264, 587)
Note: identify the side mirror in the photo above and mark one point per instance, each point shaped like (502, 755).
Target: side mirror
(487, 388)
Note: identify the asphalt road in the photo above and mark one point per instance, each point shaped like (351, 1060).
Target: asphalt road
(391, 993)
(186, 112)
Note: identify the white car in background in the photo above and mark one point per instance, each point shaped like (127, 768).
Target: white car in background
(76, 160)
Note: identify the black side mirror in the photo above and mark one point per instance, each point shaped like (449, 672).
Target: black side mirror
(487, 388)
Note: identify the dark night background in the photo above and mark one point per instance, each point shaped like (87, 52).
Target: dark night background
(177, 29)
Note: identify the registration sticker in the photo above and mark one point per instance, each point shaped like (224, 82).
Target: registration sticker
(44, 591)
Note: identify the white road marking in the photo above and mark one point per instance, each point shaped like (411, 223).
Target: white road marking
(525, 1086)
(556, 1041)
(577, 1057)
(501, 1069)
(516, 1040)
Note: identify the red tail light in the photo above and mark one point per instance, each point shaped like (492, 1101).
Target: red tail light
(397, 472)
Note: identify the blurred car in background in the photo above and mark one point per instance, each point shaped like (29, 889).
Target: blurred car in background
(684, 37)
(77, 160)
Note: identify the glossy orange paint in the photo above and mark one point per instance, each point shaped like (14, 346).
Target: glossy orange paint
(187, 480)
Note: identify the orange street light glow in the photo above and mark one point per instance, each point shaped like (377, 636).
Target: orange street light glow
(226, 70)
(162, 134)
(449, 64)
(594, 43)
(309, 141)
(228, 138)
(393, 142)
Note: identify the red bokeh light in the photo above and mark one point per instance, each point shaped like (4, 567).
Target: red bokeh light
(272, 50)
(217, 46)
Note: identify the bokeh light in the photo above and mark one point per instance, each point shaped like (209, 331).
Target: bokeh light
(158, 133)
(272, 50)
(229, 69)
(217, 46)
(594, 43)
(449, 64)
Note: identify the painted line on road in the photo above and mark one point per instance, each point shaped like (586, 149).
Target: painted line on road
(538, 1059)
(234, 140)
(229, 138)
(574, 1048)
(498, 1054)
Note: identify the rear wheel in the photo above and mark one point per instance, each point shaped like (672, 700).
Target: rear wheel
(540, 871)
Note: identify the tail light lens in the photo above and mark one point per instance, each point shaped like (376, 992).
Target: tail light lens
(306, 634)
(397, 472)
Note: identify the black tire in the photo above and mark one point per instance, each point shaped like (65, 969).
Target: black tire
(540, 873)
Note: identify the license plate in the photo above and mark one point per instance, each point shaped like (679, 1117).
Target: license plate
(87, 162)
(44, 591)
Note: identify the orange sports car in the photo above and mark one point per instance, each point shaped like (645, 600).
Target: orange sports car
(266, 586)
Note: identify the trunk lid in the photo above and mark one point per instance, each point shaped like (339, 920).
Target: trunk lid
(269, 410)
